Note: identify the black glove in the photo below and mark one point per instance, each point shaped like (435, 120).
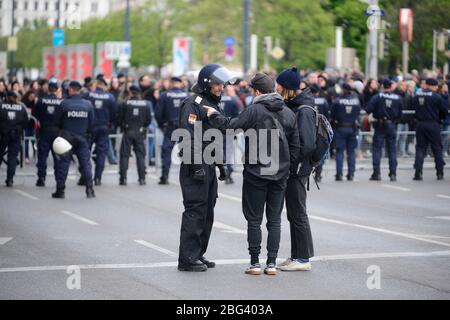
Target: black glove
(198, 173)
(223, 173)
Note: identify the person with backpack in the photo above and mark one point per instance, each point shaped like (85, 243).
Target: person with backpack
(307, 118)
(264, 184)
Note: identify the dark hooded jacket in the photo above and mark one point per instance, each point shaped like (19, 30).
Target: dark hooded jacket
(306, 120)
(258, 116)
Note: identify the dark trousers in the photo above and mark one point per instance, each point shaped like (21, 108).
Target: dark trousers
(166, 152)
(385, 133)
(11, 140)
(199, 199)
(136, 140)
(301, 237)
(100, 136)
(429, 133)
(345, 140)
(257, 193)
(44, 146)
(81, 149)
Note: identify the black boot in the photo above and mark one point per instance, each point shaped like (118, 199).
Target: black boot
(59, 194)
(393, 177)
(223, 173)
(142, 182)
(81, 182)
(123, 181)
(375, 177)
(40, 182)
(440, 176)
(418, 176)
(338, 177)
(206, 262)
(90, 192)
(163, 180)
(9, 183)
(97, 181)
(349, 177)
(196, 266)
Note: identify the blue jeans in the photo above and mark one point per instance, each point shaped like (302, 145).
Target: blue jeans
(346, 140)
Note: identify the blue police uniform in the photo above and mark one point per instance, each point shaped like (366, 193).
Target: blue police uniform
(167, 115)
(345, 112)
(13, 119)
(430, 110)
(45, 112)
(105, 113)
(75, 119)
(387, 111)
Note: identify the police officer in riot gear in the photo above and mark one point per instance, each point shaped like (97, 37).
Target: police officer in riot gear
(197, 179)
(48, 131)
(13, 119)
(430, 110)
(167, 115)
(133, 117)
(386, 108)
(74, 118)
(105, 113)
(344, 113)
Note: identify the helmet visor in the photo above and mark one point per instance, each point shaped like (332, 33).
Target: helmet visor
(222, 76)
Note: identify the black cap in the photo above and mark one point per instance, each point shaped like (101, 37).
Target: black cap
(102, 80)
(75, 84)
(135, 88)
(100, 76)
(346, 86)
(387, 83)
(431, 82)
(176, 79)
(12, 93)
(263, 83)
(315, 87)
(53, 85)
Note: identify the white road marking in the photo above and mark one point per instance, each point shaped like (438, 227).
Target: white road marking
(155, 247)
(228, 229)
(361, 256)
(226, 196)
(25, 194)
(4, 240)
(400, 234)
(443, 196)
(440, 217)
(395, 187)
(80, 218)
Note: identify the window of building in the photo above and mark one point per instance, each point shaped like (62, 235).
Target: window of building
(46, 6)
(1, 4)
(57, 5)
(36, 5)
(15, 5)
(25, 5)
(66, 6)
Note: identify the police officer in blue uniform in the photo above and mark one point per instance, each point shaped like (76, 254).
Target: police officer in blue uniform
(74, 118)
(167, 115)
(198, 180)
(105, 115)
(386, 108)
(13, 120)
(133, 117)
(344, 113)
(430, 110)
(322, 107)
(45, 112)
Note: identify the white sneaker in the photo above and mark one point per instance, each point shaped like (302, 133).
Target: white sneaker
(284, 263)
(296, 266)
(254, 269)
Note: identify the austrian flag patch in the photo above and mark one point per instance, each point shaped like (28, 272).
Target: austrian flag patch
(192, 118)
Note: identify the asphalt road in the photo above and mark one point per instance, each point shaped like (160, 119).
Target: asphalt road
(373, 240)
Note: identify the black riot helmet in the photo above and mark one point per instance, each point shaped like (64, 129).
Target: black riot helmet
(212, 74)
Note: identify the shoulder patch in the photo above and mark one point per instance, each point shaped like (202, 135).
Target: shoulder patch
(198, 100)
(192, 118)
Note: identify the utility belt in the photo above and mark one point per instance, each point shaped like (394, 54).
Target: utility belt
(141, 130)
(11, 132)
(346, 125)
